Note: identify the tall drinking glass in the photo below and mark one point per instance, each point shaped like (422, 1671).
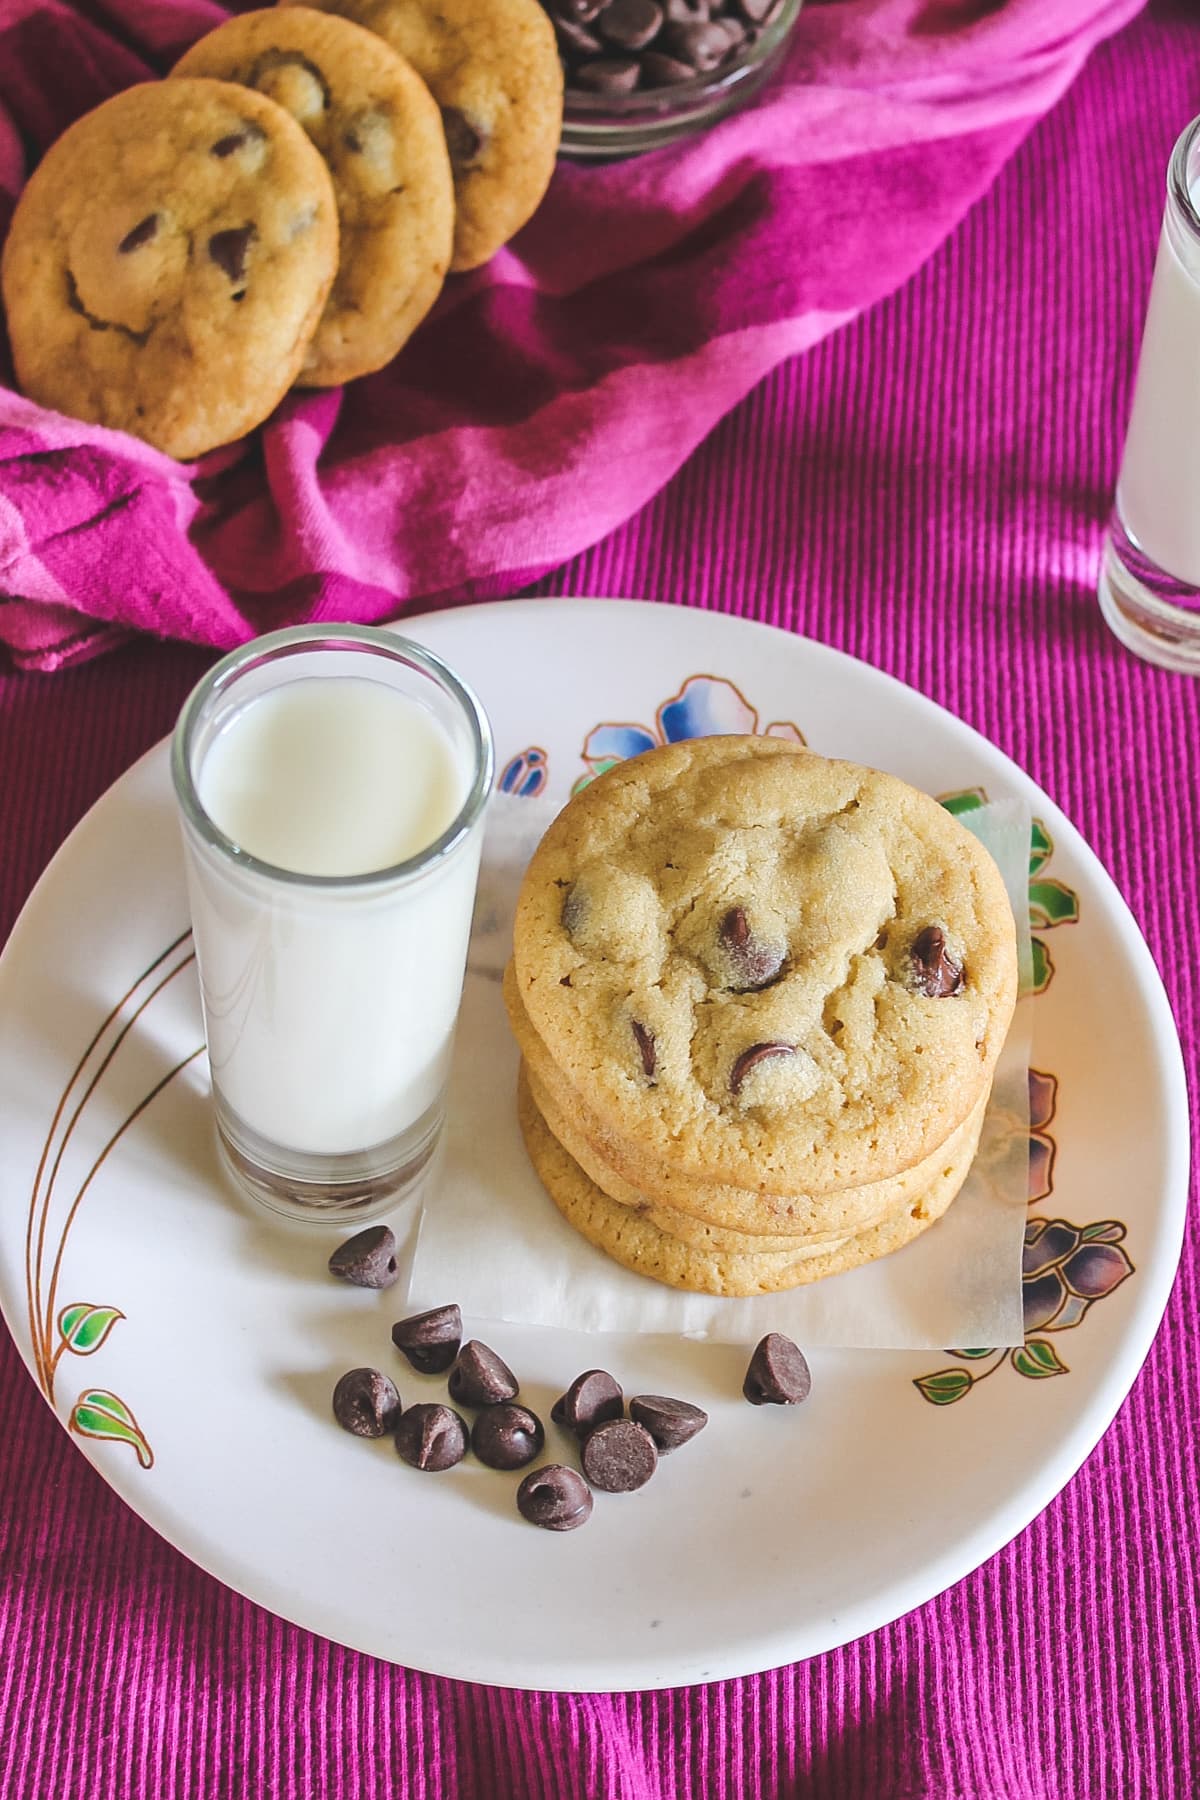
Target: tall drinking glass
(332, 785)
(1150, 577)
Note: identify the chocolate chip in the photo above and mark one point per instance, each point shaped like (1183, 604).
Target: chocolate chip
(664, 71)
(228, 250)
(584, 11)
(669, 1422)
(431, 1437)
(644, 1038)
(630, 24)
(368, 1259)
(556, 1498)
(464, 139)
(591, 1398)
(934, 971)
(703, 46)
(249, 134)
(778, 1374)
(753, 964)
(507, 1436)
(430, 1340)
(141, 234)
(574, 904)
(607, 75)
(573, 36)
(366, 1403)
(619, 1456)
(480, 1378)
(750, 1059)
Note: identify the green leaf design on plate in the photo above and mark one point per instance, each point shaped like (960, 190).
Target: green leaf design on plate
(1037, 1359)
(1041, 847)
(1043, 967)
(84, 1327)
(972, 1355)
(944, 1388)
(1052, 903)
(966, 800)
(1103, 1231)
(99, 1414)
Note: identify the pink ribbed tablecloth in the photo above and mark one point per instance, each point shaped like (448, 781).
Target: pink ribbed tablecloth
(926, 490)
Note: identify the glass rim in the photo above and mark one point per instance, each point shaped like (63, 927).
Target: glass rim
(296, 640)
(1178, 185)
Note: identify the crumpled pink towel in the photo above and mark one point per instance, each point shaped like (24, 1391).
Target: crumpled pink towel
(550, 394)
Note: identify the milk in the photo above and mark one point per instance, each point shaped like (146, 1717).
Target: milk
(330, 990)
(1158, 494)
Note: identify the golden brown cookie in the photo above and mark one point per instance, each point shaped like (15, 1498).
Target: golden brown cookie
(379, 130)
(632, 1240)
(168, 262)
(807, 1217)
(493, 68)
(681, 1225)
(764, 968)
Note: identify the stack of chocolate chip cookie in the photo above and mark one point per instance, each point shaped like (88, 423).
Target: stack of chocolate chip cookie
(759, 998)
(282, 210)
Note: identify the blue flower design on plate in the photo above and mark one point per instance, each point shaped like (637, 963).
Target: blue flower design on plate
(705, 706)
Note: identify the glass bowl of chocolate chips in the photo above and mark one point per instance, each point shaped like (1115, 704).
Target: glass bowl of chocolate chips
(641, 73)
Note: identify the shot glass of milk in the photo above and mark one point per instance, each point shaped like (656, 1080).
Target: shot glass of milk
(1150, 576)
(332, 784)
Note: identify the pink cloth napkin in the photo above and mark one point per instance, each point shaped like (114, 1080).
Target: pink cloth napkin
(553, 392)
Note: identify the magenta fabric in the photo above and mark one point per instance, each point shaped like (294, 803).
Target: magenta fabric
(926, 489)
(552, 393)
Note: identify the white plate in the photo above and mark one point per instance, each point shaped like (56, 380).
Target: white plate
(213, 1335)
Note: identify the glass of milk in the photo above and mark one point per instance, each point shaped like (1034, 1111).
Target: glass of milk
(332, 784)
(1150, 576)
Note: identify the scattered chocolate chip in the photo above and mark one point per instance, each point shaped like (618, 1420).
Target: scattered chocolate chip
(234, 140)
(464, 140)
(554, 1497)
(646, 1046)
(607, 75)
(750, 1059)
(582, 10)
(480, 1378)
(778, 1374)
(141, 234)
(934, 971)
(507, 1436)
(366, 1403)
(669, 1422)
(573, 36)
(430, 1340)
(352, 141)
(591, 1399)
(228, 249)
(630, 24)
(754, 964)
(368, 1259)
(431, 1437)
(619, 1456)
(664, 71)
(702, 46)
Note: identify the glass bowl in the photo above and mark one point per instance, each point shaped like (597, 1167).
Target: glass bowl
(605, 125)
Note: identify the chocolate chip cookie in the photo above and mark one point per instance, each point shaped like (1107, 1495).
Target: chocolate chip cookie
(632, 1240)
(493, 68)
(627, 1171)
(379, 130)
(764, 968)
(168, 262)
